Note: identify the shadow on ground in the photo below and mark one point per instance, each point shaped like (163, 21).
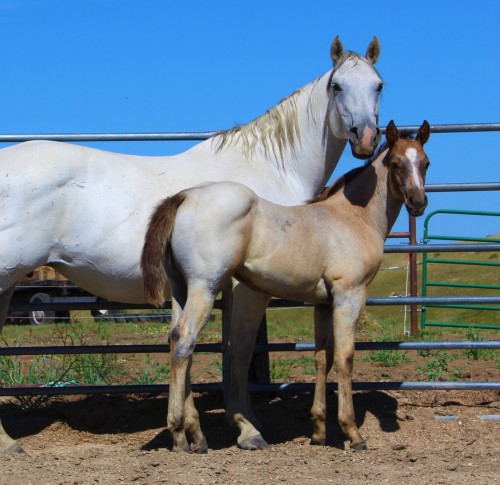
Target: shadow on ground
(284, 416)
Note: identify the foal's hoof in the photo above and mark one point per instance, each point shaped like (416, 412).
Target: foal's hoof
(256, 442)
(181, 448)
(318, 441)
(200, 449)
(359, 446)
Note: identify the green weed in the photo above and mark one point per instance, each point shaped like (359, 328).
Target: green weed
(308, 365)
(474, 335)
(436, 368)
(281, 369)
(388, 358)
(153, 372)
(215, 370)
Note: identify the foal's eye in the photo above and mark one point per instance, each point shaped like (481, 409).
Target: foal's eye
(336, 87)
(394, 166)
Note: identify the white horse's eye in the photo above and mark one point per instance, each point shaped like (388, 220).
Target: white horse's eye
(380, 87)
(336, 87)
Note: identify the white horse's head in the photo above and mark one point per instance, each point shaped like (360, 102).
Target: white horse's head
(355, 88)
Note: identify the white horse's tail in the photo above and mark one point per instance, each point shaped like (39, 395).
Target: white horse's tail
(155, 246)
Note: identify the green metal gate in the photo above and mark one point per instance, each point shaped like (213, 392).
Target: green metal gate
(465, 287)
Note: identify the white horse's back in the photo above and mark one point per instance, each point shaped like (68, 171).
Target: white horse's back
(78, 209)
(89, 208)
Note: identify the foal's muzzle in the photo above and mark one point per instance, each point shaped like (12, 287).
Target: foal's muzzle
(416, 205)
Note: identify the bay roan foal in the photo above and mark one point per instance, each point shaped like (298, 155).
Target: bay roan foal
(324, 252)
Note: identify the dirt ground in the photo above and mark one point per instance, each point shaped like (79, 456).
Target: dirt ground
(122, 439)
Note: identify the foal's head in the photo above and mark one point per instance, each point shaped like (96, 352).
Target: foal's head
(408, 165)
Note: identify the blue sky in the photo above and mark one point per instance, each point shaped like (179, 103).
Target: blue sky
(72, 66)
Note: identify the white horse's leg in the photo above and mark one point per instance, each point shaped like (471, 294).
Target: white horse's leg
(4, 304)
(347, 310)
(323, 355)
(182, 341)
(248, 310)
(7, 444)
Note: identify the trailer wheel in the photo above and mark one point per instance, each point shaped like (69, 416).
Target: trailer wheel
(41, 317)
(119, 317)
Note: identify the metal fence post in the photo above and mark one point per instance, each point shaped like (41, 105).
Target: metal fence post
(413, 277)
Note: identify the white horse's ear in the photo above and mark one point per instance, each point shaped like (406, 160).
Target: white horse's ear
(373, 51)
(391, 133)
(424, 133)
(336, 50)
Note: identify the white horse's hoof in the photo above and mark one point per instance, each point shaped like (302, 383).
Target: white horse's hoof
(256, 442)
(13, 448)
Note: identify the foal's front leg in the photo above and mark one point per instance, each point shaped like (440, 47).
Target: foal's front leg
(323, 356)
(348, 305)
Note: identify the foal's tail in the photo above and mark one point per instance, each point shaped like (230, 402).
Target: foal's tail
(155, 245)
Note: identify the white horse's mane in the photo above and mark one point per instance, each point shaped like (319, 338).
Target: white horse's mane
(273, 132)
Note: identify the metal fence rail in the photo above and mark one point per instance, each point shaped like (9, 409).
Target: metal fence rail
(273, 387)
(256, 387)
(204, 135)
(219, 347)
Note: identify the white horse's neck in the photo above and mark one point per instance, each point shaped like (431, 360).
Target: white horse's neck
(292, 141)
(318, 151)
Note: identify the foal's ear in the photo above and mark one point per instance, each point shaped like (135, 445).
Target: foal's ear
(373, 51)
(391, 133)
(424, 133)
(336, 50)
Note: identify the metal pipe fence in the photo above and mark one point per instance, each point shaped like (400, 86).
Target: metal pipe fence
(264, 348)
(204, 135)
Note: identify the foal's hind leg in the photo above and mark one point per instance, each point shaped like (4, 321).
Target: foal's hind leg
(183, 337)
(178, 302)
(191, 417)
(323, 355)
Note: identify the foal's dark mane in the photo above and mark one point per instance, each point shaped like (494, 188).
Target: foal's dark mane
(345, 179)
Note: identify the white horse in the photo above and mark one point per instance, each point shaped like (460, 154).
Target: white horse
(325, 252)
(84, 211)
